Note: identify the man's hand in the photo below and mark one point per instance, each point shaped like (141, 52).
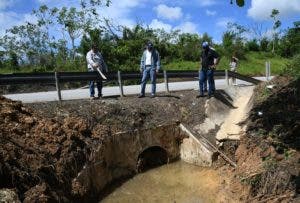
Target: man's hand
(157, 70)
(141, 70)
(214, 66)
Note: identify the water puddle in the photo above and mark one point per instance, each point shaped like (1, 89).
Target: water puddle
(175, 182)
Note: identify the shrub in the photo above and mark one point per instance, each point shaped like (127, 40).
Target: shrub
(293, 67)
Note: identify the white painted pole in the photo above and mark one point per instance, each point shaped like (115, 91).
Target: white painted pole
(166, 81)
(226, 77)
(120, 84)
(57, 86)
(269, 70)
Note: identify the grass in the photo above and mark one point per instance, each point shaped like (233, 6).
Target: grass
(253, 65)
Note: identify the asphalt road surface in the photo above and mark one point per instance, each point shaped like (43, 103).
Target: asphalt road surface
(114, 91)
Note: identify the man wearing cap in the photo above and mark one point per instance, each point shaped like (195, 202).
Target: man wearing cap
(209, 60)
(150, 65)
(95, 60)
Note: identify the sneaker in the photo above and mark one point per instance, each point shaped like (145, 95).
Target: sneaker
(92, 98)
(211, 95)
(200, 95)
(152, 96)
(141, 96)
(99, 96)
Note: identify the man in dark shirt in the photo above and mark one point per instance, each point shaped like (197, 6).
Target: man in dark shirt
(209, 59)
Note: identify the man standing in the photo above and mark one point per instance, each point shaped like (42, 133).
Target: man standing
(209, 59)
(150, 65)
(95, 60)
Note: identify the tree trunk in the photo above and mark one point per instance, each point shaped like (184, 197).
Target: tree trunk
(73, 48)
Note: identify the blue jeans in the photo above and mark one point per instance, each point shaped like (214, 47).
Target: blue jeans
(146, 72)
(206, 76)
(92, 88)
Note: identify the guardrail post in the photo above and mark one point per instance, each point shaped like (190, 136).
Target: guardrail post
(269, 70)
(166, 81)
(266, 70)
(226, 77)
(120, 84)
(57, 86)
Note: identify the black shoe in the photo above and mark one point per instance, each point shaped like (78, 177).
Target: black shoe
(152, 96)
(200, 95)
(141, 96)
(211, 95)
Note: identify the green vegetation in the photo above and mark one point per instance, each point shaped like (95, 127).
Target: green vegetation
(31, 47)
(253, 64)
(293, 67)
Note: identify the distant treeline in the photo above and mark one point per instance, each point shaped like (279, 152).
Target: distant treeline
(36, 46)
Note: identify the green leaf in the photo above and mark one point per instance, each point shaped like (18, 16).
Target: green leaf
(240, 3)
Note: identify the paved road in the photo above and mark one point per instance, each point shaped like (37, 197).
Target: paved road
(112, 91)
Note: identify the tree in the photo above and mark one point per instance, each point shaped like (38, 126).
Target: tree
(290, 42)
(276, 25)
(240, 3)
(72, 22)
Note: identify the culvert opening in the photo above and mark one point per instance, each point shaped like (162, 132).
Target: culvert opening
(151, 158)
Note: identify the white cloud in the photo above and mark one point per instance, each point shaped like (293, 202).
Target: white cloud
(261, 9)
(7, 3)
(156, 24)
(170, 13)
(210, 13)
(187, 27)
(9, 19)
(222, 22)
(120, 12)
(204, 3)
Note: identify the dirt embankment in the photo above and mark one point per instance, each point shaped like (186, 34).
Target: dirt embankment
(268, 155)
(43, 148)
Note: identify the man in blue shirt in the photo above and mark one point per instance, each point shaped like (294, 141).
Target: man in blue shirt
(150, 65)
(209, 60)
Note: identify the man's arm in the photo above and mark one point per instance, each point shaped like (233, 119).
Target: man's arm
(103, 64)
(216, 59)
(90, 60)
(142, 65)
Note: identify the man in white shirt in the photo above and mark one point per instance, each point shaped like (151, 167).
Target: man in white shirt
(95, 60)
(150, 65)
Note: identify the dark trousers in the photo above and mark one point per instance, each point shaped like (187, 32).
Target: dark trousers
(206, 75)
(92, 87)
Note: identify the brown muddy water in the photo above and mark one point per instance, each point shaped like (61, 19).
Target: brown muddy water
(174, 182)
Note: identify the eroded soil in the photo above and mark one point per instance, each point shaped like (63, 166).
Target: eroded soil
(44, 146)
(268, 156)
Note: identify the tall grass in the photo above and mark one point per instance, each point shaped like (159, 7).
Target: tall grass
(253, 65)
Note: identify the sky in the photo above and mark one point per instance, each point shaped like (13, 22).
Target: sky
(190, 16)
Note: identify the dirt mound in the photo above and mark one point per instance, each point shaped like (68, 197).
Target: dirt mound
(268, 156)
(39, 156)
(43, 148)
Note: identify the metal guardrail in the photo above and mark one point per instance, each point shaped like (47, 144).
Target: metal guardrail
(61, 77)
(25, 78)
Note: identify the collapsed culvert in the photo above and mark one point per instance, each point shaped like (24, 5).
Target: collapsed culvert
(150, 158)
(124, 154)
(121, 155)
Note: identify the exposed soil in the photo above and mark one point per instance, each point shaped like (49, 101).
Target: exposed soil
(42, 148)
(268, 156)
